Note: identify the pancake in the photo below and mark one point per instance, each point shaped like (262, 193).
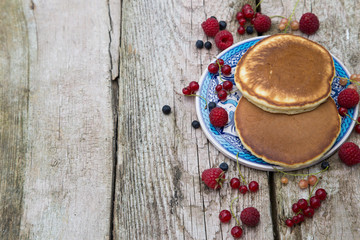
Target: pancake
(285, 73)
(290, 141)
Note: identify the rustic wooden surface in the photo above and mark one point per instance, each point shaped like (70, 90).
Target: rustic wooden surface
(86, 152)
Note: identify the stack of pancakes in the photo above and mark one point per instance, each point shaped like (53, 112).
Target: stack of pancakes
(286, 115)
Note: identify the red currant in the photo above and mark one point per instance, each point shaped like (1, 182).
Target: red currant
(289, 222)
(249, 13)
(245, 7)
(295, 207)
(186, 91)
(235, 183)
(253, 186)
(301, 217)
(218, 87)
(302, 203)
(222, 94)
(226, 70)
(242, 21)
(220, 62)
(236, 232)
(225, 216)
(357, 128)
(296, 219)
(252, 20)
(243, 189)
(194, 86)
(241, 30)
(308, 212)
(321, 194)
(342, 111)
(213, 68)
(227, 85)
(239, 16)
(315, 202)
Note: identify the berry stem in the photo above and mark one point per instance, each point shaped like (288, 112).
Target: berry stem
(312, 190)
(237, 165)
(195, 95)
(350, 80)
(219, 71)
(352, 118)
(288, 24)
(232, 212)
(303, 175)
(277, 16)
(257, 5)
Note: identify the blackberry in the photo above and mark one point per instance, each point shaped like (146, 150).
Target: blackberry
(166, 109)
(199, 44)
(195, 124)
(208, 45)
(222, 25)
(249, 29)
(224, 166)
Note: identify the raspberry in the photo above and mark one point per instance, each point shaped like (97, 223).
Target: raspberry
(309, 23)
(224, 39)
(349, 153)
(348, 98)
(210, 27)
(218, 117)
(262, 23)
(213, 178)
(250, 216)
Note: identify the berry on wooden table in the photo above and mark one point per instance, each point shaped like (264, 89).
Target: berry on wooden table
(249, 13)
(213, 68)
(262, 23)
(224, 39)
(236, 232)
(315, 202)
(241, 30)
(218, 117)
(282, 26)
(243, 189)
(289, 222)
(225, 216)
(199, 44)
(208, 45)
(312, 180)
(195, 124)
(296, 219)
(249, 29)
(349, 153)
(186, 91)
(250, 216)
(301, 217)
(308, 212)
(166, 109)
(325, 165)
(222, 25)
(213, 178)
(321, 194)
(309, 23)
(302, 203)
(239, 16)
(284, 21)
(295, 208)
(357, 128)
(194, 86)
(253, 186)
(242, 22)
(210, 27)
(303, 184)
(245, 7)
(224, 166)
(294, 25)
(235, 183)
(284, 180)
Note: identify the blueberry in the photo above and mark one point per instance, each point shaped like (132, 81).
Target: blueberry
(211, 105)
(325, 164)
(222, 25)
(213, 17)
(249, 29)
(208, 45)
(199, 44)
(223, 166)
(195, 124)
(166, 109)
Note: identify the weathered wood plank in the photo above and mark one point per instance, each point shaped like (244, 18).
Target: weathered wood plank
(338, 216)
(159, 193)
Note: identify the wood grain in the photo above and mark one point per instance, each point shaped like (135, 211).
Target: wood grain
(337, 218)
(159, 193)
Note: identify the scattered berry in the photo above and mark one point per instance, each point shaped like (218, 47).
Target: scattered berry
(227, 85)
(222, 25)
(199, 44)
(224, 39)
(308, 212)
(284, 180)
(225, 216)
(243, 189)
(309, 23)
(357, 128)
(302, 203)
(284, 21)
(296, 219)
(253, 186)
(236, 232)
(250, 216)
(213, 178)
(213, 68)
(294, 25)
(224, 166)
(295, 208)
(282, 27)
(210, 27)
(242, 22)
(186, 91)
(262, 23)
(213, 17)
(222, 95)
(321, 194)
(220, 62)
(289, 222)
(342, 111)
(239, 16)
(301, 217)
(218, 117)
(348, 98)
(195, 124)
(303, 184)
(349, 153)
(343, 81)
(166, 109)
(194, 86)
(235, 183)
(312, 180)
(226, 70)
(245, 7)
(249, 13)
(241, 30)
(325, 165)
(315, 202)
(208, 45)
(249, 29)
(219, 87)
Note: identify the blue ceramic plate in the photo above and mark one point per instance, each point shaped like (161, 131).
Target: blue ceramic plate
(226, 139)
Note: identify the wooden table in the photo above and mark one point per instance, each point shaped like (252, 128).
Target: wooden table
(86, 152)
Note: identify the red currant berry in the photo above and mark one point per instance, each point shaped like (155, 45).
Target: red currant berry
(242, 22)
(243, 189)
(218, 87)
(245, 7)
(213, 68)
(239, 16)
(302, 203)
(308, 212)
(186, 91)
(249, 13)
(315, 202)
(194, 86)
(321, 194)
(227, 85)
(301, 217)
(357, 128)
(253, 186)
(342, 111)
(241, 30)
(226, 70)
(235, 183)
(252, 20)
(225, 216)
(220, 62)
(296, 219)
(236, 232)
(289, 222)
(295, 207)
(222, 95)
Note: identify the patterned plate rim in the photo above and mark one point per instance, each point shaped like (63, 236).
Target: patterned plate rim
(246, 162)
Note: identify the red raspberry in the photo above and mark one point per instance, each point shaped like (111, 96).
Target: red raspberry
(262, 23)
(349, 153)
(224, 39)
(213, 178)
(218, 117)
(210, 27)
(309, 23)
(250, 216)
(348, 98)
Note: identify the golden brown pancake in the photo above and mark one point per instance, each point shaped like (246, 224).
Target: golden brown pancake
(290, 141)
(285, 73)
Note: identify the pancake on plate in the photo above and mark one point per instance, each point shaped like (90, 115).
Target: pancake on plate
(285, 73)
(290, 141)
